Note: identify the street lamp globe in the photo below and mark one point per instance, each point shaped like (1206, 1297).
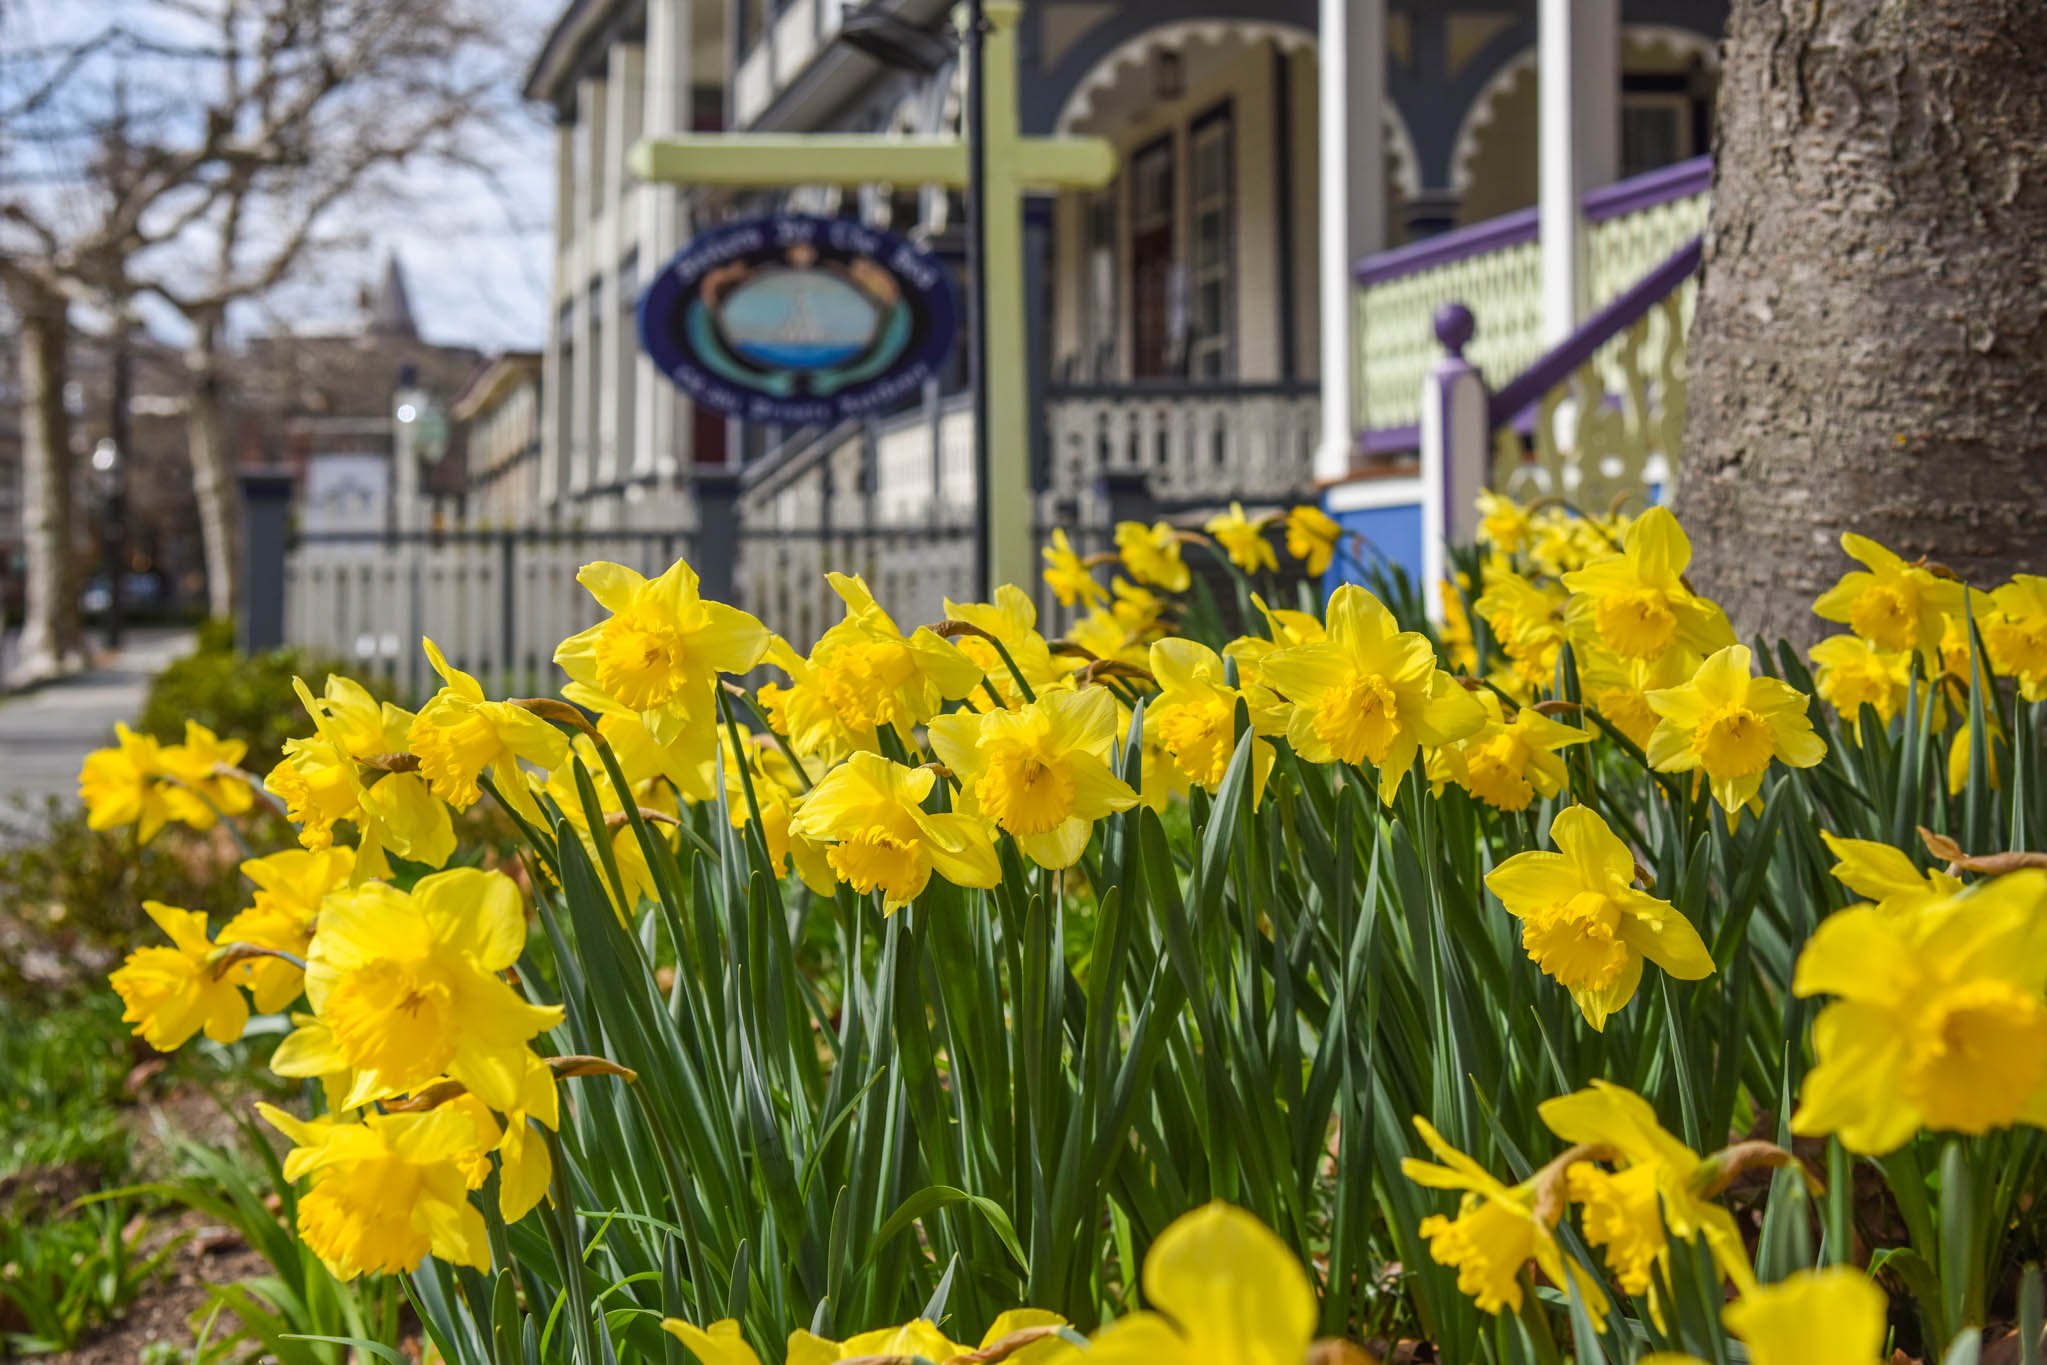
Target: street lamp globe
(106, 455)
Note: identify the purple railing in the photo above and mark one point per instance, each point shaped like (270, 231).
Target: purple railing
(1520, 227)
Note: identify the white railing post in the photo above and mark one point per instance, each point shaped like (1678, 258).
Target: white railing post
(1455, 437)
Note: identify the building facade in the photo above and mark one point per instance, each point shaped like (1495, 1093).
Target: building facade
(1244, 312)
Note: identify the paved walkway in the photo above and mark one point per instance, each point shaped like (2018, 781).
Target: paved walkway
(45, 734)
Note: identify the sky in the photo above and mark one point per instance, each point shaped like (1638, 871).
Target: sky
(475, 249)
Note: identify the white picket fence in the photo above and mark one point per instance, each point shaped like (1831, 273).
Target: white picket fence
(496, 602)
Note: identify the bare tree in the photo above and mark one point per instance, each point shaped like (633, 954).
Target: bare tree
(250, 140)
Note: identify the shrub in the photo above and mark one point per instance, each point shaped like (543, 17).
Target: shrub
(237, 696)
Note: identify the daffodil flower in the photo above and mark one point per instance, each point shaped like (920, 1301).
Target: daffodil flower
(1311, 537)
(1527, 620)
(1892, 604)
(1370, 692)
(1627, 1212)
(458, 736)
(1222, 1288)
(1729, 726)
(1836, 1316)
(172, 993)
(1852, 673)
(1502, 523)
(1040, 772)
(1585, 924)
(1243, 540)
(1498, 1230)
(121, 785)
(1195, 715)
(524, 1166)
(870, 674)
(1888, 876)
(386, 1192)
(1012, 619)
(776, 790)
(196, 765)
(2015, 633)
(407, 986)
(1636, 602)
(289, 889)
(1507, 763)
(1938, 1021)
(917, 1337)
(323, 781)
(662, 648)
(1068, 575)
(1152, 554)
(870, 812)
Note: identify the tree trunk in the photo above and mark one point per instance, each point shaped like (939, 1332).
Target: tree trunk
(50, 639)
(1870, 350)
(213, 486)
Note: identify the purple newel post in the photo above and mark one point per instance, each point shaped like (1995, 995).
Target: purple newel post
(1455, 435)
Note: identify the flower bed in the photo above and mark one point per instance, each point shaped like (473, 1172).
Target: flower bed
(1565, 982)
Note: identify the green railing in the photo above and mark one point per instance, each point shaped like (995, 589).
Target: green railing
(1494, 268)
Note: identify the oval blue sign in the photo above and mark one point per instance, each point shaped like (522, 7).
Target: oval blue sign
(799, 320)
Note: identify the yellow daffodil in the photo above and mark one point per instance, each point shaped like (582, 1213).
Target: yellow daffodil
(1221, 1287)
(1496, 1232)
(1627, 1211)
(1502, 523)
(1243, 540)
(126, 785)
(1562, 541)
(1508, 763)
(289, 889)
(871, 814)
(386, 1192)
(1195, 716)
(1835, 1316)
(1269, 710)
(1040, 772)
(871, 675)
(1152, 554)
(207, 768)
(1892, 604)
(459, 736)
(407, 985)
(1888, 876)
(718, 1344)
(2015, 633)
(1369, 693)
(1102, 635)
(1939, 1020)
(1618, 688)
(1636, 602)
(1729, 726)
(1068, 576)
(1311, 537)
(802, 713)
(1037, 1329)
(1585, 923)
(1853, 673)
(172, 993)
(1160, 778)
(1527, 620)
(1012, 619)
(662, 648)
(1139, 610)
(524, 1166)
(1958, 757)
(351, 771)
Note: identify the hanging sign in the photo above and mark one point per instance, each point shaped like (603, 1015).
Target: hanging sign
(798, 320)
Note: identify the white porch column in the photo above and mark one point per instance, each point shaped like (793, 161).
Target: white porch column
(660, 214)
(622, 89)
(554, 380)
(586, 260)
(1351, 89)
(1579, 103)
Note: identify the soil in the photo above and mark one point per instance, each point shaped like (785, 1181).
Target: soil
(165, 1312)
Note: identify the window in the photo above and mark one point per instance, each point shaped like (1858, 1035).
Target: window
(1211, 205)
(1666, 117)
(1157, 303)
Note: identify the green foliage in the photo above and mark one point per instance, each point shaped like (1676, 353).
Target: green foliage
(61, 1075)
(60, 1280)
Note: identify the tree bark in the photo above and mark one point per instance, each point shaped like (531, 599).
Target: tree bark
(50, 638)
(212, 485)
(1870, 348)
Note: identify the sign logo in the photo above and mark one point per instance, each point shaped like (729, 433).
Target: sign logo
(799, 320)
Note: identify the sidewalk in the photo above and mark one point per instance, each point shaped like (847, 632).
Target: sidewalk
(45, 734)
